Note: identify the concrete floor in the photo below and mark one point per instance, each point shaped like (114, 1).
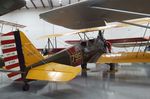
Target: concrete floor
(130, 82)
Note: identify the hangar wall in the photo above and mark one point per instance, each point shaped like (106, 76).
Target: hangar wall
(37, 27)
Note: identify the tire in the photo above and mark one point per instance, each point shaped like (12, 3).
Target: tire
(26, 87)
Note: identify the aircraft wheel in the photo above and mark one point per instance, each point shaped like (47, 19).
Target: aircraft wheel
(84, 70)
(26, 87)
(84, 66)
(113, 68)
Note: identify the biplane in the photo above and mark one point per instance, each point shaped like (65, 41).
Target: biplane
(96, 13)
(24, 63)
(122, 42)
(111, 57)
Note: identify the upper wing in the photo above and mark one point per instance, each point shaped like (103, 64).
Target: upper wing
(125, 40)
(72, 42)
(129, 42)
(82, 15)
(53, 72)
(126, 57)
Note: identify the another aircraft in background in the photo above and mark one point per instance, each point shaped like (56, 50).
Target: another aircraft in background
(94, 13)
(122, 42)
(7, 6)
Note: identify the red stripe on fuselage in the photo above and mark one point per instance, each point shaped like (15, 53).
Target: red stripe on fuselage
(72, 50)
(75, 55)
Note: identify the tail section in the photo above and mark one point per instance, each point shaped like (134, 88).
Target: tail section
(18, 53)
(30, 53)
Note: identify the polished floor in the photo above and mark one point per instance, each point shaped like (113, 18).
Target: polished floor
(130, 82)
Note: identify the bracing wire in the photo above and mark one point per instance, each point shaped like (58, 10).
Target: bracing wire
(143, 37)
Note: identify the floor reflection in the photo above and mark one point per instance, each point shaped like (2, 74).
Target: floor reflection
(129, 82)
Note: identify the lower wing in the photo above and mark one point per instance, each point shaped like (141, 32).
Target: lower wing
(53, 72)
(125, 57)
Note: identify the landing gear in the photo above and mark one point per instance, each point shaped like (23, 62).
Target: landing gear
(26, 87)
(84, 66)
(112, 68)
(84, 70)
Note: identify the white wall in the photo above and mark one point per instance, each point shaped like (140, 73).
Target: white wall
(37, 27)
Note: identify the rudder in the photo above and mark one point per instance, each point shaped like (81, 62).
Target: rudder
(18, 53)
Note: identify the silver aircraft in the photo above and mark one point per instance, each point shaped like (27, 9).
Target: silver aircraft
(94, 13)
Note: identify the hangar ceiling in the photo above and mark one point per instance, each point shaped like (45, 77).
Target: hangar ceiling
(47, 3)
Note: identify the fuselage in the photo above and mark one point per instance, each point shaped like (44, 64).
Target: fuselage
(78, 54)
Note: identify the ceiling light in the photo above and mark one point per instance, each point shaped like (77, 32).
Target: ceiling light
(27, 0)
(60, 1)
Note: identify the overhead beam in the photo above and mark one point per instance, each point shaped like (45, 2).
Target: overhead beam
(26, 7)
(50, 3)
(43, 3)
(60, 2)
(33, 4)
(69, 1)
